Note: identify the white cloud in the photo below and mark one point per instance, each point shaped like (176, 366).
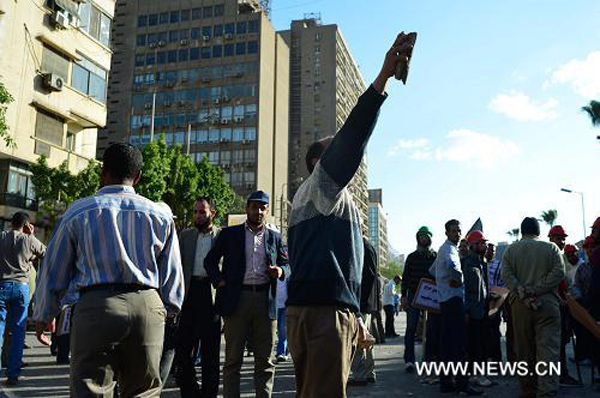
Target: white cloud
(583, 75)
(422, 155)
(473, 147)
(408, 144)
(519, 106)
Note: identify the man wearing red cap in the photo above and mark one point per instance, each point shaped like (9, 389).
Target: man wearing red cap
(558, 236)
(475, 300)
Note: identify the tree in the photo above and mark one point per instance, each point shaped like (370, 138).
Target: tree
(549, 217)
(514, 233)
(391, 269)
(5, 99)
(593, 111)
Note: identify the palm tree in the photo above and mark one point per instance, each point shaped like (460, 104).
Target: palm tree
(549, 217)
(514, 233)
(593, 111)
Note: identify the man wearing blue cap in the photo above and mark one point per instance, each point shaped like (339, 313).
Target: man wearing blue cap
(253, 259)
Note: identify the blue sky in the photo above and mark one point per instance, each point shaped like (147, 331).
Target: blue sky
(489, 124)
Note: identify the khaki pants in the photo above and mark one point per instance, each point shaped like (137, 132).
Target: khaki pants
(322, 342)
(537, 339)
(117, 335)
(250, 322)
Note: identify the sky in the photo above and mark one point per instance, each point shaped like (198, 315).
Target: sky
(489, 124)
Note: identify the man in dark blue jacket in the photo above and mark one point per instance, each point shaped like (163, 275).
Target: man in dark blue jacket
(326, 249)
(253, 259)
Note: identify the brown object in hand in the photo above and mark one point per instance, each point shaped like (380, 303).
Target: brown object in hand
(402, 67)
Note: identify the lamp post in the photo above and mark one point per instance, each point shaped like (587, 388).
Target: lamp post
(582, 207)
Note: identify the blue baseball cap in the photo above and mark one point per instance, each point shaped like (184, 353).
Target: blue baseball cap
(259, 196)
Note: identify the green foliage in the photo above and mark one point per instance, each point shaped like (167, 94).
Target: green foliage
(391, 269)
(549, 217)
(5, 99)
(168, 175)
(593, 111)
(514, 233)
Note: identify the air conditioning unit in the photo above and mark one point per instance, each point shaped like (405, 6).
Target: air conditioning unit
(244, 141)
(206, 38)
(170, 84)
(249, 185)
(225, 121)
(239, 119)
(161, 43)
(152, 45)
(60, 20)
(239, 74)
(228, 36)
(148, 106)
(217, 101)
(226, 99)
(181, 104)
(206, 80)
(53, 82)
(184, 42)
(167, 104)
(183, 80)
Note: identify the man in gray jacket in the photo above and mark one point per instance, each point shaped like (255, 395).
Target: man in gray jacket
(532, 269)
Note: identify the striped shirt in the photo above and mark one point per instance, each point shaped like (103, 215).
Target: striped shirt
(115, 236)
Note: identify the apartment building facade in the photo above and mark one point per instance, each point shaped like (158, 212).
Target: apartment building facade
(378, 235)
(55, 63)
(210, 75)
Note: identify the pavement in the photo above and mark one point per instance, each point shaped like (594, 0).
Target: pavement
(44, 378)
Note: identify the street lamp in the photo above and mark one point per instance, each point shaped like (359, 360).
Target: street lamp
(582, 207)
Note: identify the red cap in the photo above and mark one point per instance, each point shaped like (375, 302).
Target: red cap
(596, 223)
(557, 230)
(589, 242)
(569, 249)
(475, 237)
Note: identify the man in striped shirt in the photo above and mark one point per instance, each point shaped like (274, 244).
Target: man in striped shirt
(120, 252)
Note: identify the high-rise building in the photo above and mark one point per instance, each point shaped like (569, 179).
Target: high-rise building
(378, 225)
(211, 75)
(325, 84)
(55, 58)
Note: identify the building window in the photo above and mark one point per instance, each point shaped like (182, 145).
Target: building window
(164, 17)
(238, 134)
(195, 33)
(153, 19)
(196, 13)
(240, 48)
(49, 127)
(249, 178)
(225, 157)
(217, 51)
(53, 62)
(183, 55)
(219, 10)
(250, 113)
(142, 20)
(213, 157)
(205, 52)
(228, 50)
(252, 47)
(218, 29)
(140, 40)
(70, 145)
(241, 28)
(174, 16)
(174, 36)
(207, 31)
(150, 59)
(172, 56)
(96, 23)
(250, 155)
(161, 57)
(207, 12)
(225, 135)
(140, 60)
(250, 134)
(152, 38)
(90, 79)
(253, 26)
(229, 28)
(194, 54)
(202, 137)
(184, 34)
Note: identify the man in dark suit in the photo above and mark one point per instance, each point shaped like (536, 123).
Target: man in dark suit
(253, 259)
(199, 322)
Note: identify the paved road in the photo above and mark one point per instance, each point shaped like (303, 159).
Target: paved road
(43, 378)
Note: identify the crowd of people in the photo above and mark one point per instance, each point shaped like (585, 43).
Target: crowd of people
(135, 300)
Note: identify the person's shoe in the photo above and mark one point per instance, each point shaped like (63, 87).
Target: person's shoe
(371, 379)
(568, 381)
(357, 383)
(483, 382)
(469, 392)
(63, 361)
(282, 358)
(409, 367)
(12, 381)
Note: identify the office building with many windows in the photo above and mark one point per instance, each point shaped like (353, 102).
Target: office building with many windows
(55, 63)
(378, 226)
(210, 75)
(325, 84)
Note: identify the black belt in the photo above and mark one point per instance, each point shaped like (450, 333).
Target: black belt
(256, 288)
(114, 287)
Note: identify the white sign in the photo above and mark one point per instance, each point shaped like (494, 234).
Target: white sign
(426, 297)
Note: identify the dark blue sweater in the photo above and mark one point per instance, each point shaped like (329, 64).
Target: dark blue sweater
(325, 236)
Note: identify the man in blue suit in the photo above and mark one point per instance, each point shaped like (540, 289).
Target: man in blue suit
(253, 259)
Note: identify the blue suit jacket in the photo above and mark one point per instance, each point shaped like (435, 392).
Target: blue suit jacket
(231, 246)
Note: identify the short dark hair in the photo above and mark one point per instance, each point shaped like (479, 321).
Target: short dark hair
(122, 161)
(19, 219)
(315, 150)
(530, 226)
(449, 224)
(211, 203)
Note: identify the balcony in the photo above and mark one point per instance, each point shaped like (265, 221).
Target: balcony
(18, 200)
